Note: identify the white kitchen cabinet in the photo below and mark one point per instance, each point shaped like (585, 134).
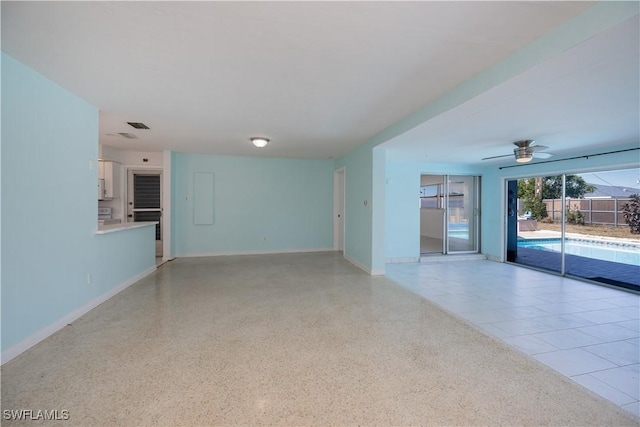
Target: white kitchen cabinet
(109, 171)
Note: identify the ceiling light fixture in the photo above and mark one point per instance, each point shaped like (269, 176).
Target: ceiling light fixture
(260, 142)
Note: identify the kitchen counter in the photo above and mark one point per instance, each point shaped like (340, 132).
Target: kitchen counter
(112, 228)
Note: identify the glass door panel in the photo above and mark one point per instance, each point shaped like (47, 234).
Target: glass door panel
(432, 211)
(528, 213)
(462, 218)
(599, 243)
(145, 200)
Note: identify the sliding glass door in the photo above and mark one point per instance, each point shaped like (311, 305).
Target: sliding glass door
(575, 225)
(449, 214)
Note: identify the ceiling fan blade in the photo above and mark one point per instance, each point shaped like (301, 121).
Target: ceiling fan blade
(537, 148)
(543, 155)
(497, 157)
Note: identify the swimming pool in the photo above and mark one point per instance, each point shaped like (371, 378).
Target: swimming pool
(458, 230)
(606, 251)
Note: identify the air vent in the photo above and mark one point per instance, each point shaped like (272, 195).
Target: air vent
(127, 135)
(138, 125)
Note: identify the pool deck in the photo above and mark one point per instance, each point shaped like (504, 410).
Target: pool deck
(548, 234)
(612, 273)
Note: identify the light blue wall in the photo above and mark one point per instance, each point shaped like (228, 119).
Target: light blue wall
(49, 246)
(174, 212)
(288, 201)
(493, 187)
(358, 176)
(402, 225)
(378, 211)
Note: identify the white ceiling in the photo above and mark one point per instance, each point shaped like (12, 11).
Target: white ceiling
(320, 78)
(588, 97)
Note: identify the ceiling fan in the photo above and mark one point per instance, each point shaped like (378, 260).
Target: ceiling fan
(524, 151)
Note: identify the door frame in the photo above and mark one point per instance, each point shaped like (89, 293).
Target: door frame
(127, 172)
(339, 200)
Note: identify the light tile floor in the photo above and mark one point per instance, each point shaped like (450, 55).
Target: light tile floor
(587, 332)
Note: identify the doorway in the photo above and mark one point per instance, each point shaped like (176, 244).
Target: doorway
(449, 214)
(144, 200)
(338, 209)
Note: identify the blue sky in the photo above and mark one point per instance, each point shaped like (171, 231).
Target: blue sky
(627, 178)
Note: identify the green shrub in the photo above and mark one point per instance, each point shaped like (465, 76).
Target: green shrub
(631, 212)
(537, 208)
(575, 217)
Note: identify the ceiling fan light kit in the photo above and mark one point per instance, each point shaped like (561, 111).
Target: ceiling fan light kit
(524, 151)
(522, 155)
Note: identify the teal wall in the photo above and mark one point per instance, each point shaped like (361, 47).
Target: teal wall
(378, 211)
(402, 224)
(288, 201)
(49, 203)
(174, 212)
(358, 217)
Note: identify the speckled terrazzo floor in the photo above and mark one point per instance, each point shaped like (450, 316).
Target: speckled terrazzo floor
(297, 339)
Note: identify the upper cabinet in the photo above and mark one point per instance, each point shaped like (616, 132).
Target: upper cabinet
(109, 180)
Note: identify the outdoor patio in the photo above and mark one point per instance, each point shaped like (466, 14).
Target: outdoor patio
(612, 273)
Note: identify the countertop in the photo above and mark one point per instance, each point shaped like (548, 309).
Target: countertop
(112, 228)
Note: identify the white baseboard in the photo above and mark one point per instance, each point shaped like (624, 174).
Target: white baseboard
(402, 260)
(364, 268)
(452, 258)
(357, 264)
(495, 258)
(235, 253)
(40, 335)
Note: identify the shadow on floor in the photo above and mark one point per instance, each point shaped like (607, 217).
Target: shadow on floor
(626, 276)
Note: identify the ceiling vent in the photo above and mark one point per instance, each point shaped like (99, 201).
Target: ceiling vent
(127, 135)
(138, 125)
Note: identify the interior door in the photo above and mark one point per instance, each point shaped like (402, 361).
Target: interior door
(144, 200)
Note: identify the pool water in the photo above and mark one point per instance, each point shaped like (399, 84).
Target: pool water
(606, 251)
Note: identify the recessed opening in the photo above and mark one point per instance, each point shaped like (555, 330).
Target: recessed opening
(138, 125)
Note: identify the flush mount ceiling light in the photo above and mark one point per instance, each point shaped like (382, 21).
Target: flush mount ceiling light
(260, 142)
